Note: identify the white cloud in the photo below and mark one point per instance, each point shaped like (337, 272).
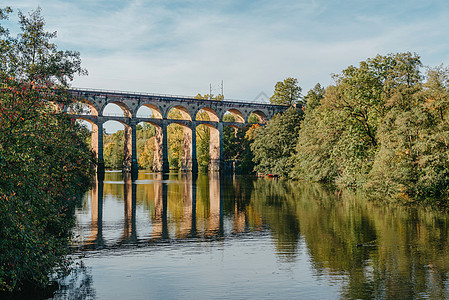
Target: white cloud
(179, 48)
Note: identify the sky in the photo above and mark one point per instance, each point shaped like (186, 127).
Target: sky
(181, 47)
(185, 47)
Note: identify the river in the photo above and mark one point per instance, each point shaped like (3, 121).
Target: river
(212, 236)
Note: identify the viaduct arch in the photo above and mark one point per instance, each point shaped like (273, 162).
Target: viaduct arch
(130, 103)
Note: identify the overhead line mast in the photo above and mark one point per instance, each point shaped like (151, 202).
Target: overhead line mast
(221, 91)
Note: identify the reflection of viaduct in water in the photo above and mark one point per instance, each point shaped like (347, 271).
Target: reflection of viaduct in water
(96, 227)
(161, 223)
(129, 228)
(130, 103)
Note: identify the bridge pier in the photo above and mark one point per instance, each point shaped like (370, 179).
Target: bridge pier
(160, 161)
(127, 152)
(189, 160)
(130, 152)
(134, 164)
(97, 145)
(194, 161)
(165, 164)
(216, 148)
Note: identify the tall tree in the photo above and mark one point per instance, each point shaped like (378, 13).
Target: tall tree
(5, 41)
(413, 158)
(44, 161)
(349, 116)
(274, 144)
(313, 97)
(32, 56)
(237, 145)
(287, 92)
(45, 164)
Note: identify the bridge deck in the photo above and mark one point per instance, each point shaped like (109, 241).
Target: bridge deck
(84, 92)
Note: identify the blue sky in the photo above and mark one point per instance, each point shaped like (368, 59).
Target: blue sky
(180, 47)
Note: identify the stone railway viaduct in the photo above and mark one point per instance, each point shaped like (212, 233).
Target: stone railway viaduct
(160, 105)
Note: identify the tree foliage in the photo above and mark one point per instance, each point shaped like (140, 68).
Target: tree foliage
(45, 164)
(175, 141)
(313, 97)
(145, 145)
(287, 92)
(114, 149)
(44, 160)
(33, 57)
(274, 144)
(237, 145)
(380, 127)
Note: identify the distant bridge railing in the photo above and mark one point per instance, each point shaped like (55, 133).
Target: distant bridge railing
(167, 96)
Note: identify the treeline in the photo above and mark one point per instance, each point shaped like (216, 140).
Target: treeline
(383, 126)
(45, 164)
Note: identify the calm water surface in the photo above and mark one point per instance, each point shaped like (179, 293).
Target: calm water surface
(212, 236)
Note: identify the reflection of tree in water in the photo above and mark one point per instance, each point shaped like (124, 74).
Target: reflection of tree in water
(202, 196)
(78, 285)
(274, 202)
(376, 250)
(381, 251)
(238, 190)
(332, 229)
(411, 258)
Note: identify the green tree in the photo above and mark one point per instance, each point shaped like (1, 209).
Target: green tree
(44, 161)
(320, 132)
(380, 128)
(6, 43)
(252, 118)
(45, 164)
(114, 147)
(146, 153)
(237, 147)
(175, 140)
(145, 145)
(274, 144)
(339, 139)
(287, 92)
(413, 157)
(37, 59)
(314, 97)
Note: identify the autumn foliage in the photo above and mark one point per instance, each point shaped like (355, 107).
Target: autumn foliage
(45, 165)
